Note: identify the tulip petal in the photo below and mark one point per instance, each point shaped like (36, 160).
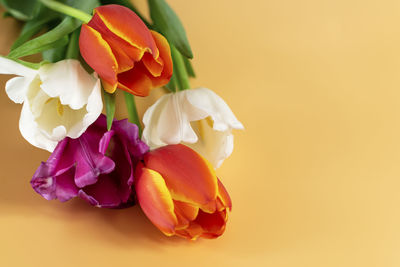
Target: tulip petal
(187, 210)
(215, 146)
(124, 53)
(150, 72)
(173, 125)
(55, 186)
(136, 81)
(213, 223)
(223, 196)
(30, 131)
(154, 67)
(127, 25)
(164, 59)
(187, 175)
(151, 119)
(168, 121)
(8, 66)
(215, 106)
(90, 162)
(76, 85)
(192, 232)
(17, 87)
(91, 46)
(130, 133)
(54, 178)
(155, 200)
(106, 192)
(79, 96)
(197, 118)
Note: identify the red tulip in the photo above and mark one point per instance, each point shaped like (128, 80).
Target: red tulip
(180, 194)
(124, 52)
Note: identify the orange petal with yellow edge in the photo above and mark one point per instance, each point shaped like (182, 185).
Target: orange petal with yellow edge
(136, 81)
(125, 53)
(223, 195)
(124, 23)
(98, 54)
(187, 210)
(188, 176)
(155, 199)
(165, 55)
(154, 67)
(192, 232)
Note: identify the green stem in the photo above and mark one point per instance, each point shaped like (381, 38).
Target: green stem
(109, 101)
(182, 77)
(132, 111)
(73, 46)
(67, 10)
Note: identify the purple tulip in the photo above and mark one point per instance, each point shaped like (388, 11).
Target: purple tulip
(98, 166)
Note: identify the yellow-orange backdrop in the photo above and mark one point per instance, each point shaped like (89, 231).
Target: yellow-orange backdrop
(314, 178)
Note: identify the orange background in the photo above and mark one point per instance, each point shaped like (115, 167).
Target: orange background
(314, 178)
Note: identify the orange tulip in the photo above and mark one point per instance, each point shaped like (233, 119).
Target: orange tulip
(124, 52)
(180, 194)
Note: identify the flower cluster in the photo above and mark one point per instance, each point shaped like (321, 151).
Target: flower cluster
(169, 166)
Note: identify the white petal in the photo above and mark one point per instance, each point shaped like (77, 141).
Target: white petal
(8, 66)
(17, 87)
(206, 100)
(94, 108)
(150, 120)
(30, 131)
(198, 118)
(168, 121)
(69, 81)
(215, 146)
(174, 123)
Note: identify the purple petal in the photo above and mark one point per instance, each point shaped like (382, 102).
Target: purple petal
(51, 186)
(130, 132)
(98, 166)
(90, 163)
(103, 194)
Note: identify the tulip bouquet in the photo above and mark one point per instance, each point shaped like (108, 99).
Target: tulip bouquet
(90, 51)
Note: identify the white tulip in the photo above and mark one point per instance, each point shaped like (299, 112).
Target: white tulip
(59, 100)
(198, 118)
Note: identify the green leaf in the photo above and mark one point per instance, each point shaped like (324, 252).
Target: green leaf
(181, 75)
(21, 9)
(67, 10)
(171, 86)
(109, 100)
(86, 6)
(55, 54)
(73, 46)
(31, 65)
(125, 3)
(132, 111)
(189, 67)
(166, 20)
(33, 26)
(51, 39)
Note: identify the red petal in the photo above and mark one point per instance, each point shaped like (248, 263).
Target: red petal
(212, 224)
(193, 231)
(92, 45)
(187, 210)
(124, 23)
(223, 196)
(136, 81)
(165, 59)
(188, 176)
(155, 200)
